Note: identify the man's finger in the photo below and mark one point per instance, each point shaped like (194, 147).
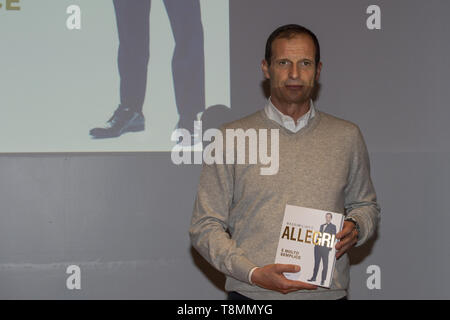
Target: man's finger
(301, 285)
(345, 245)
(280, 268)
(347, 229)
(349, 238)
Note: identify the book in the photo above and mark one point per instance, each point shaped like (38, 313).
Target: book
(308, 239)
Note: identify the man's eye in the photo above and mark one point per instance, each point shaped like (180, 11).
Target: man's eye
(306, 63)
(283, 62)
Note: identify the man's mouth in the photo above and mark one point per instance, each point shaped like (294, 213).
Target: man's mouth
(294, 87)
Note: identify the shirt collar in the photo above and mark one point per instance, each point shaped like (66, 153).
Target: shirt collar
(286, 121)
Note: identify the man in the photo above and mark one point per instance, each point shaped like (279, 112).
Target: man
(187, 64)
(321, 253)
(323, 164)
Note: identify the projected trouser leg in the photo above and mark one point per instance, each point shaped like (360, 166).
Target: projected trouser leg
(188, 59)
(132, 19)
(133, 56)
(320, 254)
(134, 37)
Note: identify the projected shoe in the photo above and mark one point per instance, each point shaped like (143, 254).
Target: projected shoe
(186, 123)
(123, 120)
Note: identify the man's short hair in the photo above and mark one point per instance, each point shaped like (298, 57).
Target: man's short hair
(329, 214)
(289, 31)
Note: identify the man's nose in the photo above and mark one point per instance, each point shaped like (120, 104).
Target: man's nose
(294, 72)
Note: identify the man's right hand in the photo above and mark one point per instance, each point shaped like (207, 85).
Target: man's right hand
(271, 277)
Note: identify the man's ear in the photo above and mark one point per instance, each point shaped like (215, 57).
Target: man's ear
(265, 68)
(319, 68)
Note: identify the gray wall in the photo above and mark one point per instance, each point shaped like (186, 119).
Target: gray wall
(123, 218)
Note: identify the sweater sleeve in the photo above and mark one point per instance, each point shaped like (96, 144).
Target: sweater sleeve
(209, 224)
(360, 197)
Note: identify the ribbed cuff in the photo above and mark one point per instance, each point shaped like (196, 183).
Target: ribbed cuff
(362, 235)
(242, 267)
(250, 275)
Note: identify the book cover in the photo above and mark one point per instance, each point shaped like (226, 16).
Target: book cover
(308, 239)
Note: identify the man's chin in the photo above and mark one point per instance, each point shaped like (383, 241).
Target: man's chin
(298, 99)
(291, 98)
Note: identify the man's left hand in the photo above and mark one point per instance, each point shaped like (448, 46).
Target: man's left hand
(348, 238)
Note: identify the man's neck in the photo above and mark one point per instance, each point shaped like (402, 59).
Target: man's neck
(294, 110)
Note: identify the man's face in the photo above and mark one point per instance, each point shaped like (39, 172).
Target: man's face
(292, 71)
(328, 217)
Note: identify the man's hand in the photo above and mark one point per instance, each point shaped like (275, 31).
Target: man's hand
(271, 277)
(348, 238)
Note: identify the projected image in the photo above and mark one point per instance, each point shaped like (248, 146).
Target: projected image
(111, 75)
(187, 64)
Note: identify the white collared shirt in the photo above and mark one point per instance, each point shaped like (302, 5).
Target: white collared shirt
(286, 121)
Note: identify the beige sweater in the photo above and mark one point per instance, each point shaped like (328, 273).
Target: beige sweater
(238, 212)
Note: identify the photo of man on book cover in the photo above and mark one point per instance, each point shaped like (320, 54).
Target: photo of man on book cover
(321, 253)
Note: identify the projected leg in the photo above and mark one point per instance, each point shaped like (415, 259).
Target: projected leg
(188, 59)
(132, 19)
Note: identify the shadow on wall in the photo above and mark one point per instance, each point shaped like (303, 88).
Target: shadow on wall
(217, 115)
(358, 254)
(216, 277)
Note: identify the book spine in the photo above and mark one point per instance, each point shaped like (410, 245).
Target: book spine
(341, 224)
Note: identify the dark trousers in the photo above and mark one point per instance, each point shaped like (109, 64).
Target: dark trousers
(321, 254)
(133, 24)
